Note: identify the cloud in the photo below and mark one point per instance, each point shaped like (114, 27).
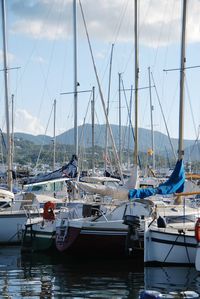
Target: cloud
(42, 19)
(27, 123)
(107, 20)
(10, 57)
(39, 59)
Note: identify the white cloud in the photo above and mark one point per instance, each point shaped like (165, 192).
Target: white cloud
(10, 57)
(27, 123)
(39, 59)
(100, 55)
(36, 29)
(42, 19)
(159, 21)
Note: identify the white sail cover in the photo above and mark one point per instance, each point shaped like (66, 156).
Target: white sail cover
(119, 192)
(116, 192)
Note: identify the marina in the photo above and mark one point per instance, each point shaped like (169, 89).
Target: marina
(99, 206)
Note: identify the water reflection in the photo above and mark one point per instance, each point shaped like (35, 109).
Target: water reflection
(42, 276)
(51, 276)
(88, 278)
(171, 279)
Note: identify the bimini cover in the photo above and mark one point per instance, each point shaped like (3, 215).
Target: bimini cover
(175, 184)
(69, 171)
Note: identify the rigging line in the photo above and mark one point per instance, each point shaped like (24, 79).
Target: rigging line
(186, 248)
(196, 143)
(167, 40)
(84, 120)
(123, 11)
(34, 46)
(144, 110)
(140, 29)
(189, 98)
(132, 50)
(129, 115)
(117, 34)
(101, 95)
(196, 132)
(160, 32)
(3, 139)
(173, 244)
(173, 151)
(97, 118)
(125, 135)
(130, 119)
(41, 148)
(49, 67)
(124, 7)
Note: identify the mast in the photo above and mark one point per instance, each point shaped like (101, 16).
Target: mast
(136, 87)
(92, 108)
(9, 174)
(182, 79)
(75, 80)
(130, 124)
(54, 136)
(12, 133)
(151, 115)
(107, 110)
(120, 122)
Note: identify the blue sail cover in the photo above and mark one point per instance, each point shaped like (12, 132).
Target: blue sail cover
(69, 171)
(175, 183)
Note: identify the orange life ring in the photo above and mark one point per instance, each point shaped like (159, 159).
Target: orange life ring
(197, 230)
(49, 208)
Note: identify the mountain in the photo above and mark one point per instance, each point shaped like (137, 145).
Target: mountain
(39, 139)
(162, 144)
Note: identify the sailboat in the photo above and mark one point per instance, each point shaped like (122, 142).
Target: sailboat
(170, 239)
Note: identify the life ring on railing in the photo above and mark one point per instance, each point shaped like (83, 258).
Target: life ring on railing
(197, 230)
(49, 208)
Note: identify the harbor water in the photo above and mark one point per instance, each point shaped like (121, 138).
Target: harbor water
(52, 276)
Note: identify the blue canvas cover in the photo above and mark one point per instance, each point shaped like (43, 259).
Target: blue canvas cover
(175, 184)
(69, 171)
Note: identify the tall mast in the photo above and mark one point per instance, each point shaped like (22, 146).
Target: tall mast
(54, 136)
(75, 80)
(9, 175)
(120, 122)
(151, 115)
(136, 87)
(92, 108)
(130, 124)
(108, 103)
(182, 79)
(12, 133)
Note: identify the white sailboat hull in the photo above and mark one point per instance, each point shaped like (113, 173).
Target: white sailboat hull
(167, 246)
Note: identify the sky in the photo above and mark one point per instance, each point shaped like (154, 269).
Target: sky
(40, 46)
